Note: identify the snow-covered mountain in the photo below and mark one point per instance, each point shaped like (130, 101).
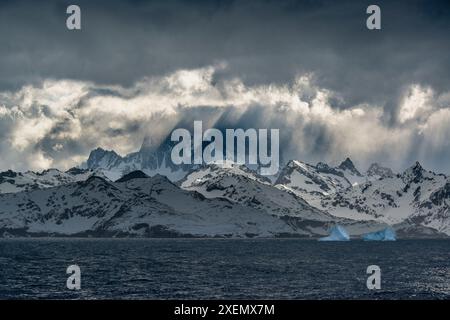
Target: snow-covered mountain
(416, 202)
(152, 158)
(376, 172)
(416, 196)
(223, 200)
(138, 205)
(311, 182)
(243, 186)
(11, 181)
(348, 169)
(239, 184)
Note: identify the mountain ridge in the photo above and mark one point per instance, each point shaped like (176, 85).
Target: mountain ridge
(304, 200)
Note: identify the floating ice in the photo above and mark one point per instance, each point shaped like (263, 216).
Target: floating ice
(337, 233)
(387, 234)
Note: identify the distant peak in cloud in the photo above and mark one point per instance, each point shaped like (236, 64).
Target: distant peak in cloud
(58, 123)
(347, 164)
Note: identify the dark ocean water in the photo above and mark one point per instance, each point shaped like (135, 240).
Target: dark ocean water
(214, 269)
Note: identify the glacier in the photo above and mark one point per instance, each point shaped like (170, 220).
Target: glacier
(387, 234)
(337, 233)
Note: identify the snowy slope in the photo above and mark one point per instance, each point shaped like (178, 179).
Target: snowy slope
(11, 181)
(433, 210)
(415, 201)
(135, 206)
(239, 185)
(417, 195)
(196, 215)
(311, 182)
(348, 169)
(213, 170)
(376, 172)
(220, 200)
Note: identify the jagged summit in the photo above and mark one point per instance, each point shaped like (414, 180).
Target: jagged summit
(152, 158)
(12, 182)
(101, 158)
(296, 164)
(227, 199)
(376, 170)
(414, 173)
(8, 174)
(416, 167)
(347, 164)
(325, 168)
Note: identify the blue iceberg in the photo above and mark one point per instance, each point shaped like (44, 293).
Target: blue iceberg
(387, 234)
(337, 233)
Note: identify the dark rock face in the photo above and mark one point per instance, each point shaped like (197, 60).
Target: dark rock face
(347, 164)
(376, 170)
(7, 176)
(100, 158)
(438, 197)
(323, 167)
(76, 171)
(138, 174)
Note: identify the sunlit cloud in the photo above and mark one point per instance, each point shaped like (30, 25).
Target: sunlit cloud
(58, 122)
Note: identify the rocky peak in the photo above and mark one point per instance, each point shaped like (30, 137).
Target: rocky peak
(414, 173)
(347, 165)
(100, 158)
(375, 170)
(8, 174)
(325, 168)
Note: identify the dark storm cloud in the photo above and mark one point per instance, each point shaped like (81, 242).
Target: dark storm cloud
(262, 41)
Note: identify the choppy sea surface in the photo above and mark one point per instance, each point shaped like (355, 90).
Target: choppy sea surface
(223, 269)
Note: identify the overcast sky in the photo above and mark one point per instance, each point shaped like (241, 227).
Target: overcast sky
(311, 68)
